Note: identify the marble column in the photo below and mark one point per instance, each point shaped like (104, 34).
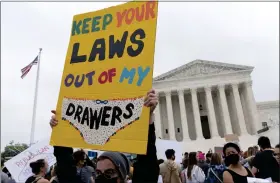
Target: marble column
(211, 113)
(196, 114)
(171, 128)
(238, 108)
(252, 107)
(224, 108)
(183, 113)
(158, 125)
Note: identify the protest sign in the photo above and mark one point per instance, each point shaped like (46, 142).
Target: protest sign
(19, 167)
(107, 74)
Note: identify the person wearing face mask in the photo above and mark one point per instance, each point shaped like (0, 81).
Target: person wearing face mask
(39, 168)
(146, 168)
(112, 167)
(169, 170)
(235, 172)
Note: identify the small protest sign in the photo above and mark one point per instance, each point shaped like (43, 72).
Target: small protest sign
(19, 167)
(107, 74)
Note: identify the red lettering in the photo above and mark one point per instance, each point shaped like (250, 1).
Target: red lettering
(129, 16)
(120, 17)
(25, 160)
(140, 15)
(103, 77)
(46, 148)
(111, 73)
(19, 164)
(150, 9)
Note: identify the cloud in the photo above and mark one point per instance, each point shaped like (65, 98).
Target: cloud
(238, 33)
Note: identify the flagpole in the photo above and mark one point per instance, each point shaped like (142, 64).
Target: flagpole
(35, 99)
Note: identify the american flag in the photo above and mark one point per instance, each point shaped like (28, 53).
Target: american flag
(26, 69)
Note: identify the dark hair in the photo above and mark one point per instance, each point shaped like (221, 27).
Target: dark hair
(185, 162)
(6, 171)
(186, 154)
(160, 161)
(264, 142)
(2, 161)
(277, 146)
(231, 144)
(169, 153)
(208, 155)
(89, 162)
(37, 165)
(79, 156)
(192, 162)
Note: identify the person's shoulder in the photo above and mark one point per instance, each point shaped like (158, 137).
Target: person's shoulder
(218, 167)
(30, 179)
(43, 181)
(258, 156)
(264, 155)
(4, 177)
(195, 167)
(227, 176)
(163, 166)
(89, 168)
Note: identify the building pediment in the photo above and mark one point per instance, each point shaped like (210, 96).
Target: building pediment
(201, 68)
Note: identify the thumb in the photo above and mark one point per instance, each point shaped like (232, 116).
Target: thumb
(53, 111)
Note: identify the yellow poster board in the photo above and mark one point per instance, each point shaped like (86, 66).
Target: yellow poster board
(107, 73)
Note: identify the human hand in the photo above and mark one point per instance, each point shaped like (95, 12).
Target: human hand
(53, 121)
(151, 100)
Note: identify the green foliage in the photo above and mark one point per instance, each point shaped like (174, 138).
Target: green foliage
(13, 149)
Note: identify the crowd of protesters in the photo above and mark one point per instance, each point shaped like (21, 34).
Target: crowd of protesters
(231, 166)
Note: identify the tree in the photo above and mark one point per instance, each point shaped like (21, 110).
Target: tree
(13, 149)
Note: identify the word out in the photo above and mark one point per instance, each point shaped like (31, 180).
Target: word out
(94, 118)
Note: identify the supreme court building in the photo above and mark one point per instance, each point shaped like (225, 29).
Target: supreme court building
(203, 101)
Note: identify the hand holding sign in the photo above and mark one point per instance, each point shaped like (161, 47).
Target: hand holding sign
(151, 100)
(107, 72)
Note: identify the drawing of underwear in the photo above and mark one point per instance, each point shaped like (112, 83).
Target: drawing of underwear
(98, 120)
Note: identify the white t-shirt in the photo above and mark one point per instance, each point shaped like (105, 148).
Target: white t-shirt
(197, 175)
(160, 179)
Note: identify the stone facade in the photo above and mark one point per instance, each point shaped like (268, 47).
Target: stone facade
(203, 101)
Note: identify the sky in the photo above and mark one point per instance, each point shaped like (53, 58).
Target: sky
(245, 33)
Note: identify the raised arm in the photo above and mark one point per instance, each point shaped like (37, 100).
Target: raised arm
(66, 169)
(146, 168)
